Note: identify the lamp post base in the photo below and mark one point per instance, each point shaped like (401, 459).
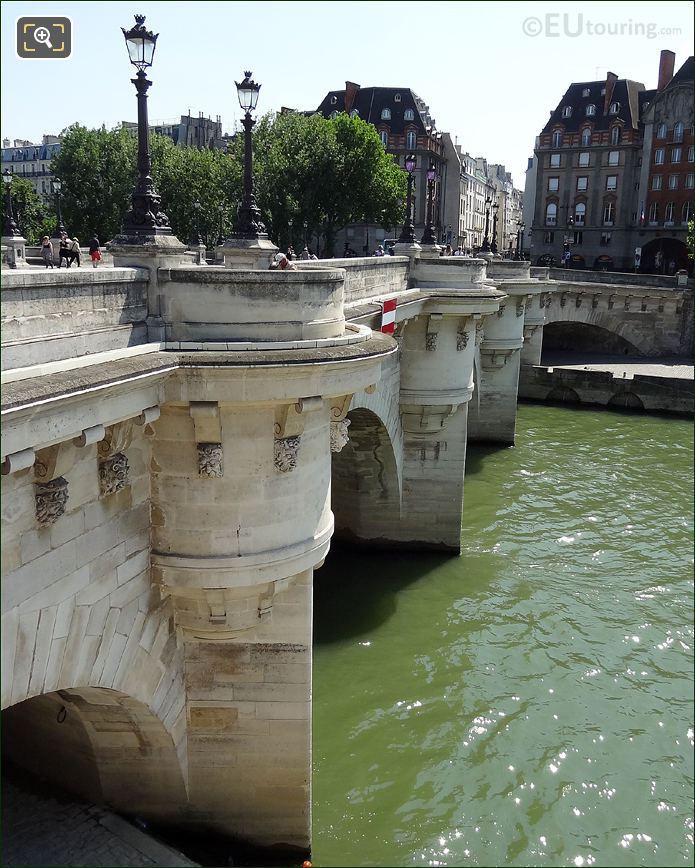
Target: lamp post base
(247, 254)
(14, 251)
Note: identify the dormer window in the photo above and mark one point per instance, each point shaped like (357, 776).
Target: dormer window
(590, 110)
(603, 91)
(661, 131)
(586, 92)
(567, 111)
(386, 114)
(614, 108)
(354, 113)
(334, 99)
(397, 98)
(408, 115)
(334, 115)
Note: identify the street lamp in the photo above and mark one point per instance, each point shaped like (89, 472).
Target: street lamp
(408, 232)
(566, 254)
(10, 227)
(196, 240)
(220, 238)
(144, 217)
(486, 240)
(60, 229)
(520, 226)
(290, 223)
(249, 224)
(306, 226)
(493, 243)
(429, 236)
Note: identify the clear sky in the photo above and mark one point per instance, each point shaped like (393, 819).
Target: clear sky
(490, 72)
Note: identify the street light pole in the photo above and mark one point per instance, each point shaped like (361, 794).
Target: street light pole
(10, 229)
(493, 243)
(486, 240)
(249, 223)
(60, 229)
(519, 233)
(429, 236)
(407, 235)
(144, 217)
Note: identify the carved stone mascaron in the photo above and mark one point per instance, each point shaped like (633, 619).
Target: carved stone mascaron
(286, 449)
(210, 460)
(51, 498)
(113, 473)
(339, 434)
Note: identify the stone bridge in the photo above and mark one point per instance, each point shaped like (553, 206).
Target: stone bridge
(179, 444)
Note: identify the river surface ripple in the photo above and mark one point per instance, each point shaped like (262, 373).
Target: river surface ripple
(530, 703)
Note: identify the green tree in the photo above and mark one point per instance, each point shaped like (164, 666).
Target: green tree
(29, 211)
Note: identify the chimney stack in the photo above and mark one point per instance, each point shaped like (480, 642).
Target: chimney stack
(351, 91)
(667, 63)
(611, 79)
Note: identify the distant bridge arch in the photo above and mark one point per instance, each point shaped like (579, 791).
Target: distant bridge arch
(586, 338)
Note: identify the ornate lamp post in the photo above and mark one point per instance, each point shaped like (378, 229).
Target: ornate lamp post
(429, 236)
(290, 224)
(58, 231)
(493, 243)
(306, 226)
(10, 228)
(520, 226)
(249, 224)
(486, 240)
(220, 237)
(144, 217)
(196, 240)
(407, 235)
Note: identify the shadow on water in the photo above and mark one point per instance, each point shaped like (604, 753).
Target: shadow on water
(478, 454)
(356, 590)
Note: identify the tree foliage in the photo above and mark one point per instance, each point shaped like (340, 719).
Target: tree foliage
(325, 173)
(29, 211)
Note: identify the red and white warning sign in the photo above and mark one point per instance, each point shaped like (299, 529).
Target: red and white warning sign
(388, 316)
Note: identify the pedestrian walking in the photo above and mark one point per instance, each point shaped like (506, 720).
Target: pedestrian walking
(75, 251)
(47, 251)
(94, 250)
(64, 251)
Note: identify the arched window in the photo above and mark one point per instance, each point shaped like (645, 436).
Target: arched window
(334, 99)
(384, 136)
(615, 136)
(654, 212)
(397, 98)
(551, 214)
(670, 208)
(567, 111)
(579, 214)
(557, 138)
(687, 213)
(661, 131)
(386, 114)
(608, 212)
(614, 108)
(411, 140)
(678, 132)
(590, 110)
(408, 115)
(586, 136)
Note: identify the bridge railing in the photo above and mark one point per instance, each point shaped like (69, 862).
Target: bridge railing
(660, 281)
(366, 276)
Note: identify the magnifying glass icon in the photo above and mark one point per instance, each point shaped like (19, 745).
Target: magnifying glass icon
(42, 35)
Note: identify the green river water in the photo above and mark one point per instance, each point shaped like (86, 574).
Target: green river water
(531, 702)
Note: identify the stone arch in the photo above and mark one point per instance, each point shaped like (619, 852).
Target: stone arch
(575, 336)
(563, 395)
(366, 495)
(671, 249)
(102, 745)
(625, 401)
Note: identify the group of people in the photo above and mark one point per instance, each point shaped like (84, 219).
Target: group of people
(282, 261)
(69, 250)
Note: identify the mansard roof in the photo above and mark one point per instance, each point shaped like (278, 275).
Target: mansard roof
(625, 93)
(684, 75)
(371, 101)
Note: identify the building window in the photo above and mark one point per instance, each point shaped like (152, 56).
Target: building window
(586, 92)
(654, 212)
(615, 136)
(608, 213)
(605, 239)
(386, 114)
(687, 212)
(551, 214)
(583, 160)
(614, 108)
(553, 184)
(334, 115)
(673, 182)
(557, 138)
(334, 100)
(548, 237)
(691, 153)
(670, 208)
(689, 181)
(578, 236)
(579, 214)
(659, 156)
(567, 111)
(661, 131)
(354, 113)
(676, 155)
(384, 136)
(411, 140)
(586, 137)
(554, 161)
(582, 183)
(678, 132)
(612, 182)
(397, 98)
(408, 115)
(656, 182)
(613, 158)
(590, 110)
